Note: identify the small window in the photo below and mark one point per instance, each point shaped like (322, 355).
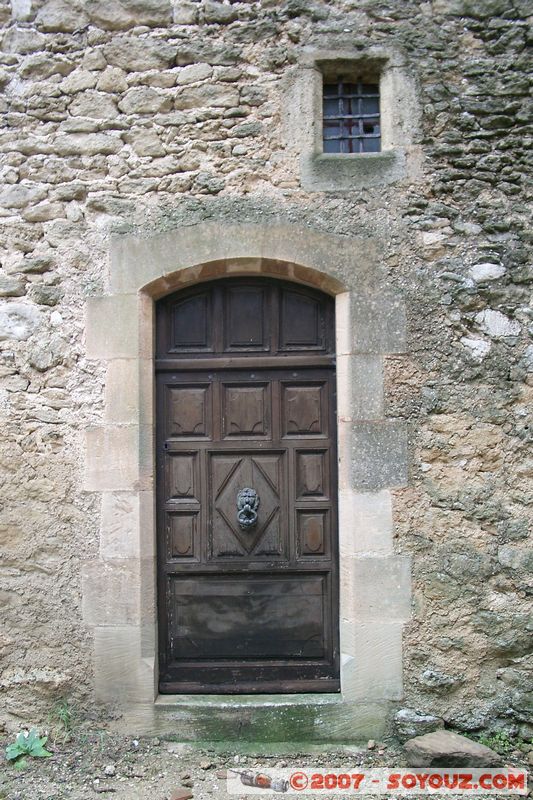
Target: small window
(351, 121)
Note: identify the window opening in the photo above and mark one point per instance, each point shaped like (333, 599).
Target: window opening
(351, 122)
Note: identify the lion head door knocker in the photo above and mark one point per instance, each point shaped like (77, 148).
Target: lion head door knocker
(247, 505)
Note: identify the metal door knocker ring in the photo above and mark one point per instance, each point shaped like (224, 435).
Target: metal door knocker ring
(247, 505)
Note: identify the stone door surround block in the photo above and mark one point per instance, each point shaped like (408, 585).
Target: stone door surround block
(119, 588)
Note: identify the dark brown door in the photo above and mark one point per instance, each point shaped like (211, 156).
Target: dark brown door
(246, 461)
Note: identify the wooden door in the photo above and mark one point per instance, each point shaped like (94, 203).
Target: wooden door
(246, 466)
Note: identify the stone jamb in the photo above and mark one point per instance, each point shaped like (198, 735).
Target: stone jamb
(120, 466)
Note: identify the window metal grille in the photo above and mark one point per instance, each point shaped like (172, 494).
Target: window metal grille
(351, 117)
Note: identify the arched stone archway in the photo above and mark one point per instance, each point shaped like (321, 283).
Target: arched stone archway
(119, 586)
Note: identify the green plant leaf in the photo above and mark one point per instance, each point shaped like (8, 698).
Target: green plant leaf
(38, 751)
(21, 763)
(13, 751)
(21, 740)
(27, 743)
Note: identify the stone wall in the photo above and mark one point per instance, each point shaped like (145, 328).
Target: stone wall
(142, 116)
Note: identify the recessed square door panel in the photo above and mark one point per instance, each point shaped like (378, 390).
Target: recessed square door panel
(304, 411)
(312, 526)
(189, 411)
(182, 477)
(190, 322)
(246, 324)
(231, 473)
(302, 322)
(245, 410)
(182, 534)
(312, 475)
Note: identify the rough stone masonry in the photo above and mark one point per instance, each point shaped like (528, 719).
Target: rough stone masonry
(139, 116)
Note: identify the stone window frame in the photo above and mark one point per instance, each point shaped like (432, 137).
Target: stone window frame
(119, 584)
(400, 157)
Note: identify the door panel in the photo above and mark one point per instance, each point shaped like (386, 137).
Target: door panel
(248, 581)
(304, 410)
(249, 617)
(245, 410)
(182, 477)
(230, 474)
(182, 535)
(189, 411)
(313, 533)
(188, 324)
(246, 319)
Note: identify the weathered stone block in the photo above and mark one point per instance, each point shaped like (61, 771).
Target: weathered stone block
(486, 271)
(60, 16)
(78, 81)
(23, 41)
(112, 80)
(144, 100)
(93, 104)
(19, 195)
(112, 459)
(11, 286)
(18, 320)
(378, 324)
(88, 144)
(379, 455)
(116, 15)
(207, 95)
(340, 172)
(194, 73)
(184, 13)
(409, 723)
(366, 385)
(497, 325)
(127, 528)
(343, 262)
(113, 648)
(146, 143)
(36, 265)
(42, 66)
(308, 718)
(112, 327)
(138, 55)
(119, 525)
(111, 592)
(381, 588)
(365, 523)
(43, 212)
(218, 12)
(515, 557)
(128, 393)
(446, 748)
(45, 295)
(372, 661)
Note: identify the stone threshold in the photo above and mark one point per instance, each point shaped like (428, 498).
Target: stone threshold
(265, 719)
(266, 749)
(221, 701)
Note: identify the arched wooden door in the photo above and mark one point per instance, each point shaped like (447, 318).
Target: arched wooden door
(246, 471)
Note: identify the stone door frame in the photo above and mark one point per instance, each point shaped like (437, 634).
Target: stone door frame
(119, 586)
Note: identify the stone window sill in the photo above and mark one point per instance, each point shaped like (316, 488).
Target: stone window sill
(338, 172)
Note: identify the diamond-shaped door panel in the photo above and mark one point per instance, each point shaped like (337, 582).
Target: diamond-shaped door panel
(230, 473)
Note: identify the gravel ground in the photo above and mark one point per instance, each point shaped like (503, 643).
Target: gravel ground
(99, 763)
